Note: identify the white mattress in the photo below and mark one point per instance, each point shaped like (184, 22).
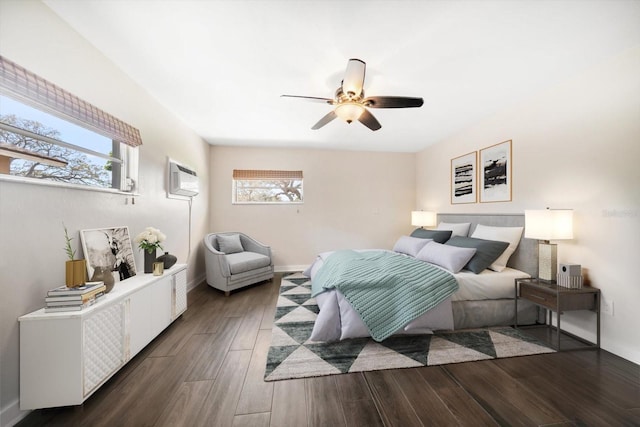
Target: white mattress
(486, 285)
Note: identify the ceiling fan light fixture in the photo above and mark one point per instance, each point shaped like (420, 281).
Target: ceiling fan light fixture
(350, 102)
(354, 78)
(349, 111)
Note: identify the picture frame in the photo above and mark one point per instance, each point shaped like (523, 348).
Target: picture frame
(111, 248)
(495, 173)
(463, 178)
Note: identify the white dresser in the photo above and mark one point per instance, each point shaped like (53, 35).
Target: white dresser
(65, 357)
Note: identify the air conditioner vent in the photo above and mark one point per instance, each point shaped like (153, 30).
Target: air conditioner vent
(182, 180)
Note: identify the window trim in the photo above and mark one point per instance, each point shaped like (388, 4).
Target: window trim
(33, 135)
(48, 183)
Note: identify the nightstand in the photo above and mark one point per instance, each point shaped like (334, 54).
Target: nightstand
(558, 299)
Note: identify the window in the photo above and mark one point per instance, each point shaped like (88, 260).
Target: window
(267, 186)
(48, 134)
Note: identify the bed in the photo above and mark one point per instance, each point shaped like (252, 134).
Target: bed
(481, 299)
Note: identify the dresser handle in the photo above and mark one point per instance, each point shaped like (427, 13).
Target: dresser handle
(538, 297)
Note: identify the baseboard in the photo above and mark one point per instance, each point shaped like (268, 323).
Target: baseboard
(11, 414)
(290, 268)
(196, 281)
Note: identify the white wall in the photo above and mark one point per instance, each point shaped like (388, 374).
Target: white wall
(32, 257)
(576, 146)
(351, 200)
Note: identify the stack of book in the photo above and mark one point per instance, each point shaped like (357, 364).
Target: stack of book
(74, 299)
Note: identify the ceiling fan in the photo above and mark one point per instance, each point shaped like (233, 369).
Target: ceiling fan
(350, 102)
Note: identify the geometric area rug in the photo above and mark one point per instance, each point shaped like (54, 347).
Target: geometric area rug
(293, 355)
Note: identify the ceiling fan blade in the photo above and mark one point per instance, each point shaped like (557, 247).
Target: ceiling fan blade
(354, 77)
(367, 119)
(311, 98)
(326, 119)
(392, 102)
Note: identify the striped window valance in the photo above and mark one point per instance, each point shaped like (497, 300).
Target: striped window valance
(16, 81)
(265, 174)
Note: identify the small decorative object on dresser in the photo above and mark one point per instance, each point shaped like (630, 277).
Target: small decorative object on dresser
(168, 260)
(103, 274)
(149, 241)
(158, 268)
(109, 247)
(570, 275)
(75, 269)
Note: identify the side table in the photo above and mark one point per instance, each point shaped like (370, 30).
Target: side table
(558, 299)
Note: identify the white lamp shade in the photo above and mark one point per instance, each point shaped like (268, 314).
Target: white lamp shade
(423, 218)
(354, 77)
(548, 224)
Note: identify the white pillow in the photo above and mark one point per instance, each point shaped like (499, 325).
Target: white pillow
(458, 229)
(510, 235)
(452, 258)
(327, 324)
(410, 245)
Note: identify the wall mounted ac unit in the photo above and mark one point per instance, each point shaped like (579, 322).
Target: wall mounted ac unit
(182, 180)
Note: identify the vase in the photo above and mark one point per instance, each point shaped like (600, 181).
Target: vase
(168, 260)
(103, 274)
(149, 259)
(75, 272)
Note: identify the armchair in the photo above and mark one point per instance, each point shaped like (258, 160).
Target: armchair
(234, 262)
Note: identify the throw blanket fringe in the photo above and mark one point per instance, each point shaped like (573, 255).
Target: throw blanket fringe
(388, 290)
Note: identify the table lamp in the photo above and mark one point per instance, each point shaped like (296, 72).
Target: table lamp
(546, 225)
(423, 219)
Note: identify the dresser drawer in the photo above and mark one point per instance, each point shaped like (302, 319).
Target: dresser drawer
(549, 300)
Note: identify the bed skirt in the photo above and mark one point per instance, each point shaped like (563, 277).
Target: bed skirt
(485, 313)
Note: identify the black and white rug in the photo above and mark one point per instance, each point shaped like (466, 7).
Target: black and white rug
(292, 355)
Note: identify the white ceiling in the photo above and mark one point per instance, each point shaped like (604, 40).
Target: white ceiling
(221, 65)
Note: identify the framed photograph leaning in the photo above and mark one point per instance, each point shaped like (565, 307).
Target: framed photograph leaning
(463, 179)
(495, 173)
(110, 248)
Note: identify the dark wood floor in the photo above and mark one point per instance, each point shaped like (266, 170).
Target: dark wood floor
(207, 369)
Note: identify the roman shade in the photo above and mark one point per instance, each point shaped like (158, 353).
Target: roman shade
(20, 83)
(265, 174)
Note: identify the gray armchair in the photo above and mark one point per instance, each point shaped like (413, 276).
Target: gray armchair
(234, 260)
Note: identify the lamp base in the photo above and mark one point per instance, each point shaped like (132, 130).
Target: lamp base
(547, 262)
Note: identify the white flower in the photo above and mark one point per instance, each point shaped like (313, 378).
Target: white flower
(150, 238)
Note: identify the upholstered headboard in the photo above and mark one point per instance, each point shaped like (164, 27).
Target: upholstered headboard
(525, 258)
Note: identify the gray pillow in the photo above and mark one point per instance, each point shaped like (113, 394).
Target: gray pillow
(487, 251)
(446, 256)
(439, 236)
(230, 244)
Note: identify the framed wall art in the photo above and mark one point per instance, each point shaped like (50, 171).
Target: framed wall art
(495, 173)
(463, 179)
(110, 248)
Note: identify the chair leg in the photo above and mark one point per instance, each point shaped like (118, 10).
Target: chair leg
(226, 293)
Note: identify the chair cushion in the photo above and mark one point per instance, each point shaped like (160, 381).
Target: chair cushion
(230, 244)
(246, 261)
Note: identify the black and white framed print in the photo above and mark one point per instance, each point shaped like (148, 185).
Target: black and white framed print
(495, 173)
(463, 179)
(110, 248)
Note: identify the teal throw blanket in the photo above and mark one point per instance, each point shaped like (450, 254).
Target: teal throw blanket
(387, 289)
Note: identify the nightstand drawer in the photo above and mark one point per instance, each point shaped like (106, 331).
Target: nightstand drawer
(536, 296)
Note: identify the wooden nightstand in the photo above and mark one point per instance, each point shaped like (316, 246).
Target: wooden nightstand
(558, 299)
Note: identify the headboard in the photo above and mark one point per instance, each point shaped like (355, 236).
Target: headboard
(525, 258)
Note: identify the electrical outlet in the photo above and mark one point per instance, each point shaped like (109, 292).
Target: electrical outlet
(606, 306)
